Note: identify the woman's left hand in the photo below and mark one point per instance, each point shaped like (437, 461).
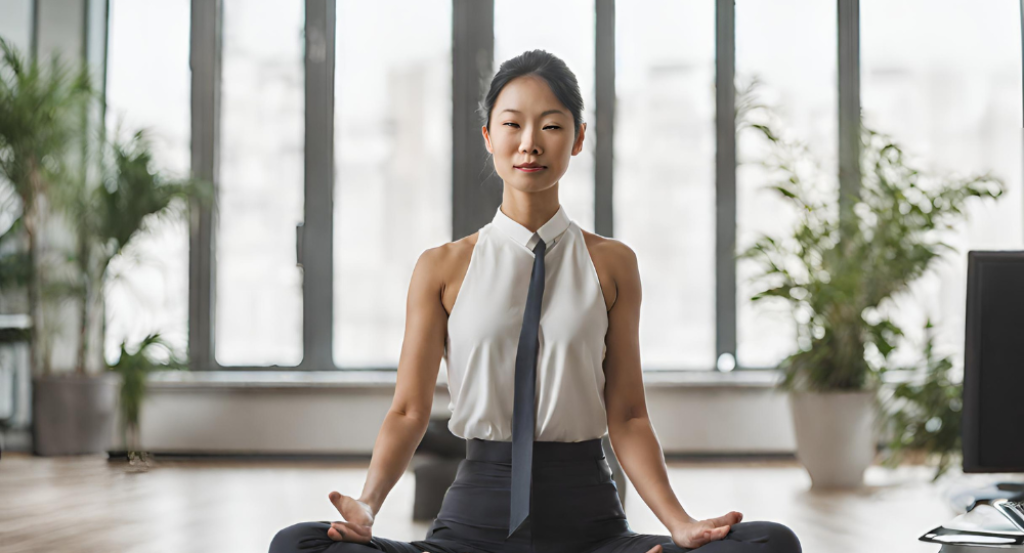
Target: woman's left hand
(699, 532)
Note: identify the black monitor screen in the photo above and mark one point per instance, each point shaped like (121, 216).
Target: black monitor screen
(993, 410)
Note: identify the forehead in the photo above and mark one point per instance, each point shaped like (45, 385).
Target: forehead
(528, 95)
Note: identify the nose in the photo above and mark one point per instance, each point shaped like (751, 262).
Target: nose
(529, 145)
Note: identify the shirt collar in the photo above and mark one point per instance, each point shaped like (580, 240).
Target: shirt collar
(551, 231)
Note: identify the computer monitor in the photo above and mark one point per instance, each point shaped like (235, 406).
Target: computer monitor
(992, 423)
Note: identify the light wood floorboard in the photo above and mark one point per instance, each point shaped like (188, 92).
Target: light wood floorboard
(86, 504)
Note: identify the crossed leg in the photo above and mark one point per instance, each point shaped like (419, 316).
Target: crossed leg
(311, 537)
(745, 537)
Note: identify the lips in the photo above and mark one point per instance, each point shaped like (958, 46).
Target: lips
(530, 167)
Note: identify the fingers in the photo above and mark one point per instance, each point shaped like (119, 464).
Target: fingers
(733, 517)
(708, 535)
(715, 533)
(351, 531)
(346, 531)
(340, 533)
(352, 509)
(655, 549)
(337, 500)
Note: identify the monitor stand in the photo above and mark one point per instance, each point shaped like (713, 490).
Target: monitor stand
(965, 500)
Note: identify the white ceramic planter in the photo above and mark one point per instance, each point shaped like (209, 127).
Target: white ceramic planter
(835, 436)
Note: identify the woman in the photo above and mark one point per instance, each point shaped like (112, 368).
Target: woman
(530, 307)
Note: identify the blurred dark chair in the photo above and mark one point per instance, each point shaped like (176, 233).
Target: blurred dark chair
(437, 461)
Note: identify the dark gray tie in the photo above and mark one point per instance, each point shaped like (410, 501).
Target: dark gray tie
(523, 400)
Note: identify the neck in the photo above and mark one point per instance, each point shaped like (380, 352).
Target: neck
(531, 210)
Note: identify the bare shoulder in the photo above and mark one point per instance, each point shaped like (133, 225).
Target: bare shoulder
(452, 262)
(614, 253)
(457, 249)
(441, 259)
(615, 262)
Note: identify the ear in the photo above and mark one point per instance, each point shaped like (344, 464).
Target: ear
(577, 146)
(487, 139)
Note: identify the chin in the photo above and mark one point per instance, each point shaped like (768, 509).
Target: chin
(527, 185)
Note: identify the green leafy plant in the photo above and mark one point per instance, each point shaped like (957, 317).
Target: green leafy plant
(834, 275)
(14, 268)
(924, 413)
(41, 115)
(107, 215)
(134, 367)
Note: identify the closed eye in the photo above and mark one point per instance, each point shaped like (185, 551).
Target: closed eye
(547, 127)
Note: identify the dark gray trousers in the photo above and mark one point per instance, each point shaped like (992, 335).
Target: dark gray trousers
(575, 508)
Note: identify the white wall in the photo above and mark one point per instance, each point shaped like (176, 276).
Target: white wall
(340, 417)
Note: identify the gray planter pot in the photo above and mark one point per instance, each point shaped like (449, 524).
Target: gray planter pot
(73, 415)
(835, 436)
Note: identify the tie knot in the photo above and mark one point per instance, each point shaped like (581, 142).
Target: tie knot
(541, 247)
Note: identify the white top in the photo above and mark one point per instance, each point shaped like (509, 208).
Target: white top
(484, 327)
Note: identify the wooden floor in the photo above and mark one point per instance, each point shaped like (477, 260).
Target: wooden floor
(86, 504)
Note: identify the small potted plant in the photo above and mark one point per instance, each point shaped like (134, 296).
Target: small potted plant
(134, 368)
(838, 275)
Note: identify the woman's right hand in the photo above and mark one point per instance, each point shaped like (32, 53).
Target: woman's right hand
(358, 521)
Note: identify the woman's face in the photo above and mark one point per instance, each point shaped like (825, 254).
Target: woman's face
(529, 125)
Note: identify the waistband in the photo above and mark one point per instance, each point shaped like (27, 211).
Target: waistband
(501, 452)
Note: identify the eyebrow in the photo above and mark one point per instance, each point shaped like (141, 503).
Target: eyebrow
(542, 115)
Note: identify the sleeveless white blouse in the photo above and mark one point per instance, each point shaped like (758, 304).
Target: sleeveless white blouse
(484, 327)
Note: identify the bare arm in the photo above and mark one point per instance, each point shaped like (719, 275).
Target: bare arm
(629, 428)
(418, 365)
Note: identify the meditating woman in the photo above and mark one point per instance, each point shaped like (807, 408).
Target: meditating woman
(538, 323)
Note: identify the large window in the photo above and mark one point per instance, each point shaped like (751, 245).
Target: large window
(259, 285)
(16, 23)
(790, 48)
(148, 85)
(943, 78)
(664, 174)
(393, 167)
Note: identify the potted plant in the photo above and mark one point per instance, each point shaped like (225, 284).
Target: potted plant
(134, 367)
(838, 275)
(105, 217)
(42, 112)
(96, 199)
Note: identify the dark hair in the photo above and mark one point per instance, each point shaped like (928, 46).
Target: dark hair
(546, 66)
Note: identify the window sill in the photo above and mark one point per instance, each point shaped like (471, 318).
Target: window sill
(385, 379)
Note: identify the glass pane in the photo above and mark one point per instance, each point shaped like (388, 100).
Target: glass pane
(943, 78)
(259, 286)
(567, 31)
(790, 47)
(664, 173)
(149, 86)
(16, 24)
(393, 157)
